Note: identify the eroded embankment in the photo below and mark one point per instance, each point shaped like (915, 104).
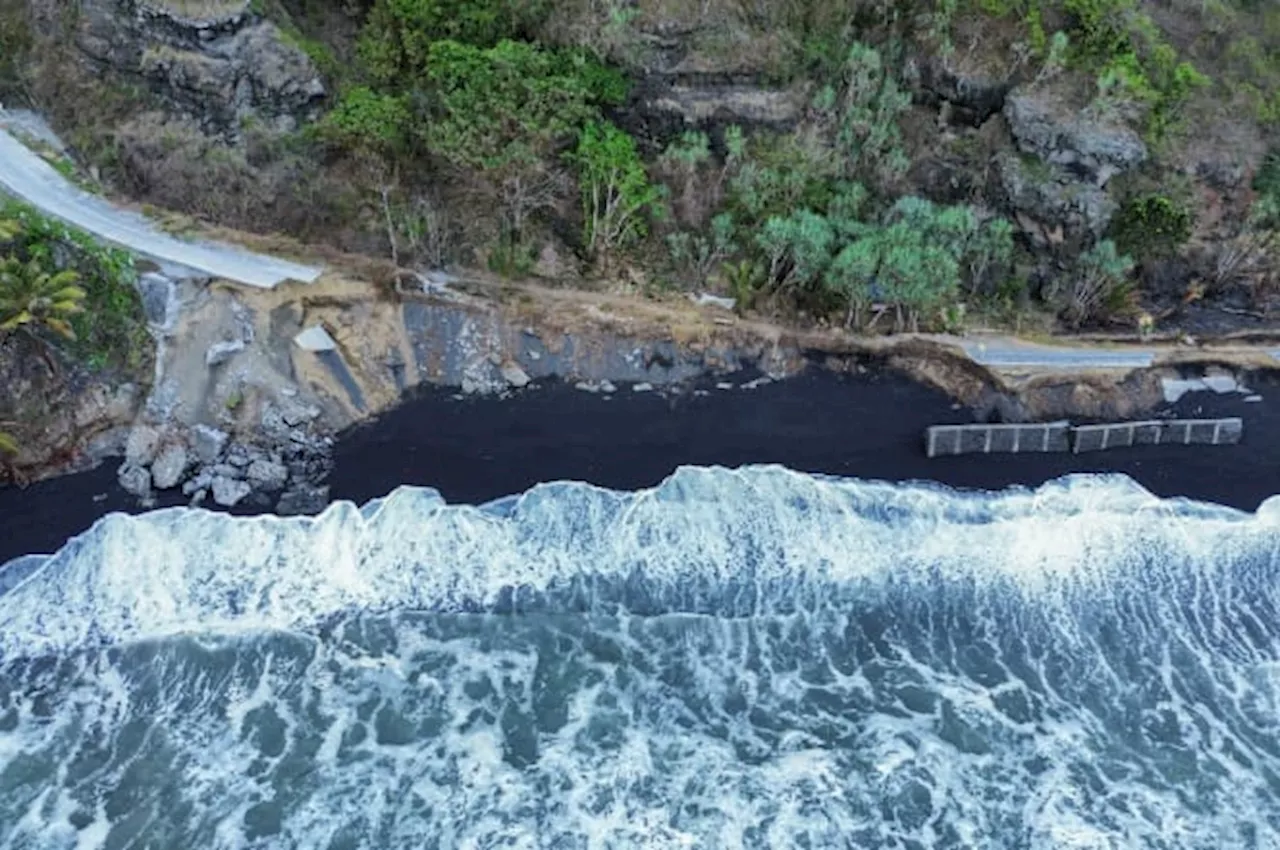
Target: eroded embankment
(240, 410)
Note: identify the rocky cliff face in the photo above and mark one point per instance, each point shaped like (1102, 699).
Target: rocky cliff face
(61, 417)
(221, 71)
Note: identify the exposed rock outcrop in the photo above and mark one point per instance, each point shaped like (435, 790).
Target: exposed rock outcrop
(219, 71)
(1055, 184)
(62, 417)
(1049, 204)
(1090, 147)
(971, 98)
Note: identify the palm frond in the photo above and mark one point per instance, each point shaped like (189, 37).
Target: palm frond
(59, 326)
(8, 445)
(16, 321)
(65, 278)
(69, 293)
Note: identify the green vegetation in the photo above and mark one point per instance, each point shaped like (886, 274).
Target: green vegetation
(483, 131)
(916, 258)
(616, 192)
(1099, 285)
(446, 82)
(33, 298)
(1120, 45)
(57, 278)
(1151, 227)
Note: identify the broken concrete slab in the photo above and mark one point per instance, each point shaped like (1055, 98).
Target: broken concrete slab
(315, 338)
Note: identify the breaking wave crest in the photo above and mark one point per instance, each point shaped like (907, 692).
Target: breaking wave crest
(754, 658)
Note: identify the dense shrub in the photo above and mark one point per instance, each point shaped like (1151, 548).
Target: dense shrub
(395, 43)
(1150, 227)
(1098, 286)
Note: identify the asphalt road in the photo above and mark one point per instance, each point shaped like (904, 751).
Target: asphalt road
(998, 353)
(25, 175)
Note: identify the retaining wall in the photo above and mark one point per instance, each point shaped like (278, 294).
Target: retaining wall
(944, 440)
(1005, 439)
(1185, 432)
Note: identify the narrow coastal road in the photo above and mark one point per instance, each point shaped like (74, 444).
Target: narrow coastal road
(1004, 352)
(25, 175)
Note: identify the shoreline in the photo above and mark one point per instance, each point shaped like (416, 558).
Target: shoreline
(870, 425)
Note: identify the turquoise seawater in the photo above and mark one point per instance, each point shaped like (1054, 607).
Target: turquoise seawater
(736, 658)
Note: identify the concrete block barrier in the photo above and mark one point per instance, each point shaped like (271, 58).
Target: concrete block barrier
(1185, 432)
(942, 440)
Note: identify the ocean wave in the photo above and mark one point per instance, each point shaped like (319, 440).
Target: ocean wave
(706, 540)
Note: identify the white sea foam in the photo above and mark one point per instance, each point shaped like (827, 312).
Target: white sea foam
(751, 658)
(181, 570)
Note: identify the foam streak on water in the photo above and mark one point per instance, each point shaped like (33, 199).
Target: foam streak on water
(752, 658)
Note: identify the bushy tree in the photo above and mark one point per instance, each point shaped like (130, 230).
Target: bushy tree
(503, 110)
(797, 248)
(396, 41)
(865, 108)
(370, 121)
(899, 264)
(775, 175)
(701, 253)
(617, 196)
(1151, 227)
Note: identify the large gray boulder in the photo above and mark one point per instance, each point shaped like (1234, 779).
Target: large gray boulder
(267, 475)
(208, 443)
(134, 480)
(143, 444)
(1090, 146)
(169, 466)
(228, 492)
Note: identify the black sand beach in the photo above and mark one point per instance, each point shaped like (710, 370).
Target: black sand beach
(869, 426)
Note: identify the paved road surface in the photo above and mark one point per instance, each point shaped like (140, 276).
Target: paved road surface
(26, 175)
(999, 352)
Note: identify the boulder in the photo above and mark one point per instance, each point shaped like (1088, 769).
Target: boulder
(1092, 148)
(226, 470)
(973, 97)
(515, 376)
(169, 466)
(134, 480)
(200, 481)
(267, 475)
(294, 413)
(221, 69)
(228, 492)
(141, 447)
(209, 443)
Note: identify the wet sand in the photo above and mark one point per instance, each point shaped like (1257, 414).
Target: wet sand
(870, 426)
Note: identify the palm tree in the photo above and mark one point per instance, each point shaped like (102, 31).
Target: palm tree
(32, 297)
